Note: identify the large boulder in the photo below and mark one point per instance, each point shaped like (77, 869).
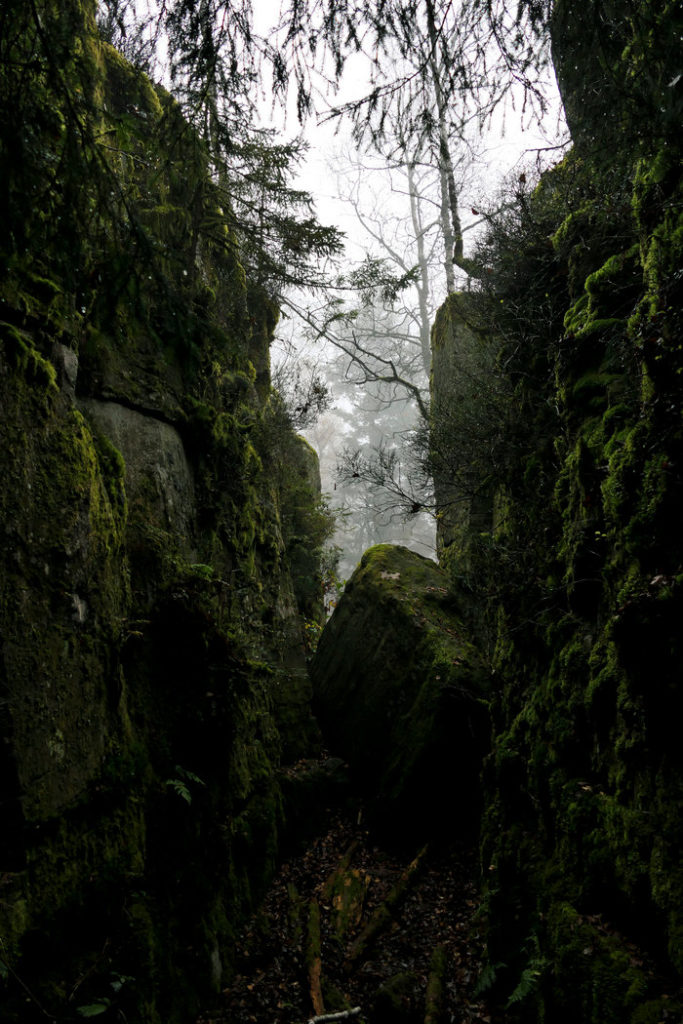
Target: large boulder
(401, 692)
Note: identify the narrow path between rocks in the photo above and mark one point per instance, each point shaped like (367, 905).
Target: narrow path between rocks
(349, 924)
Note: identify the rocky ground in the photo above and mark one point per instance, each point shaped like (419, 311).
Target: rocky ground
(348, 923)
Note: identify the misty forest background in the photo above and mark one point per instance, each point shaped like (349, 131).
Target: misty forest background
(409, 159)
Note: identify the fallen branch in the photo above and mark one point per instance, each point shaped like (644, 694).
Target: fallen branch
(435, 987)
(341, 869)
(385, 912)
(340, 1015)
(314, 959)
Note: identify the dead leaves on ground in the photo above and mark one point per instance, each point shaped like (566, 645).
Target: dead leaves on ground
(343, 918)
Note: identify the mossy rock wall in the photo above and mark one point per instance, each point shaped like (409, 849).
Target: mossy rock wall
(152, 668)
(458, 383)
(401, 693)
(578, 584)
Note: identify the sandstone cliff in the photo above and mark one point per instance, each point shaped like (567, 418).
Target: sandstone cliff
(153, 511)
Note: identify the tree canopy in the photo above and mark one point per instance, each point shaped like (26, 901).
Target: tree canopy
(218, 66)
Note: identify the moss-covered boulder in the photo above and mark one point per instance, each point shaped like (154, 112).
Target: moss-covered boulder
(401, 692)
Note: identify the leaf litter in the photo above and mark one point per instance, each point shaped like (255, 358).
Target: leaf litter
(346, 920)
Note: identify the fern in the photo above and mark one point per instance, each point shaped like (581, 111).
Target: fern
(94, 1009)
(528, 981)
(190, 776)
(487, 978)
(179, 785)
(181, 789)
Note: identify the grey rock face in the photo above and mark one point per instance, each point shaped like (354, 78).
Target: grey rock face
(157, 467)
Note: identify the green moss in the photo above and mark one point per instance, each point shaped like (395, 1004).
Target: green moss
(608, 291)
(22, 354)
(596, 979)
(576, 316)
(131, 264)
(601, 284)
(126, 86)
(579, 827)
(113, 469)
(400, 687)
(654, 1011)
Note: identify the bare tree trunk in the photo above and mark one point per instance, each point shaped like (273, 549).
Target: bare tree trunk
(448, 237)
(423, 285)
(450, 218)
